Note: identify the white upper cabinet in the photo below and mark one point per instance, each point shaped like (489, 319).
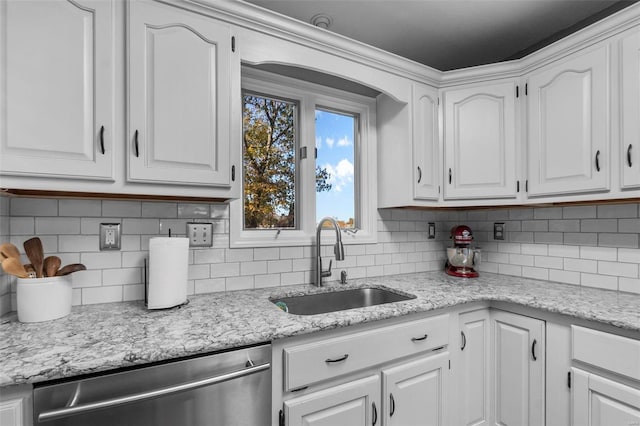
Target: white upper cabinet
(568, 125)
(180, 66)
(630, 92)
(480, 142)
(426, 158)
(56, 89)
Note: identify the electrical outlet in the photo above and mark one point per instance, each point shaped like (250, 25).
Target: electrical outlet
(498, 231)
(432, 231)
(200, 234)
(109, 236)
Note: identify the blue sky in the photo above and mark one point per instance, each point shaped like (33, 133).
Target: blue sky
(334, 140)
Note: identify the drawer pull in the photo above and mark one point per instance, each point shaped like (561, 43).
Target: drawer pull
(330, 361)
(533, 350)
(629, 156)
(464, 341)
(102, 139)
(419, 174)
(392, 405)
(375, 414)
(598, 161)
(418, 339)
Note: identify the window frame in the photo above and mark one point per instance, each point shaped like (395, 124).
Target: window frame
(310, 96)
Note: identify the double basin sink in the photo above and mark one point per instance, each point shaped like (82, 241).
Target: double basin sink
(340, 300)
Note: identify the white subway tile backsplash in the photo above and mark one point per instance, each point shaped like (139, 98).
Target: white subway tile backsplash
(267, 280)
(599, 281)
(193, 211)
(599, 225)
(579, 212)
(291, 252)
(101, 260)
(292, 278)
(631, 285)
(121, 276)
(521, 259)
(198, 272)
(239, 255)
(629, 255)
(33, 207)
(581, 265)
(91, 278)
(581, 239)
(93, 295)
(240, 283)
(280, 266)
(534, 249)
(548, 238)
(78, 243)
(564, 225)
(563, 251)
(132, 292)
(618, 211)
(548, 213)
(618, 240)
(535, 273)
(80, 208)
(514, 270)
(150, 227)
(57, 225)
(210, 285)
(567, 277)
(629, 225)
(121, 208)
(257, 267)
(159, 210)
(549, 262)
(221, 270)
(20, 226)
(598, 253)
(535, 225)
(629, 270)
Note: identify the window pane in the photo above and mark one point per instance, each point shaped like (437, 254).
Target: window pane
(269, 143)
(335, 186)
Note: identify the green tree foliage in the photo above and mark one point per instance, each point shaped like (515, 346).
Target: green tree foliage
(269, 163)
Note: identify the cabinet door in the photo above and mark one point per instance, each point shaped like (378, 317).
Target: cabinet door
(473, 373)
(597, 401)
(415, 392)
(568, 136)
(519, 368)
(353, 404)
(426, 161)
(480, 142)
(630, 92)
(179, 96)
(56, 88)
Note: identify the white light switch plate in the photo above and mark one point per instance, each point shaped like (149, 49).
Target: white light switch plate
(200, 234)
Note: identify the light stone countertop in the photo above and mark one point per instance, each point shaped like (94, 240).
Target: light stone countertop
(97, 338)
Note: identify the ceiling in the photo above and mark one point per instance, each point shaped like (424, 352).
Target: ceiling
(452, 34)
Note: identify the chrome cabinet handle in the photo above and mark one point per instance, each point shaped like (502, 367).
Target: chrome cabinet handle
(342, 358)
(449, 176)
(598, 161)
(375, 414)
(102, 139)
(533, 349)
(135, 143)
(464, 341)
(419, 174)
(629, 155)
(392, 404)
(107, 403)
(418, 339)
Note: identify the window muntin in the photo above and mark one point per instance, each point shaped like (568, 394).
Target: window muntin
(269, 162)
(336, 137)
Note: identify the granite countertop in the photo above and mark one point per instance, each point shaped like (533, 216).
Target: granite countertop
(96, 338)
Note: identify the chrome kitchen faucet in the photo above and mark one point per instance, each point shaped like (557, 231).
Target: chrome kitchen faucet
(338, 250)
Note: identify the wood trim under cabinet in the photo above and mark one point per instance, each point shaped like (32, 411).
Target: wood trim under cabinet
(34, 193)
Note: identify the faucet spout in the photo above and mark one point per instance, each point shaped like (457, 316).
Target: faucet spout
(338, 249)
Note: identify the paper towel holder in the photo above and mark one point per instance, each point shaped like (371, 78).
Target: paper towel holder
(145, 272)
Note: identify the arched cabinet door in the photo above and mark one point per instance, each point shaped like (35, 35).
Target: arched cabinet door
(56, 89)
(426, 157)
(180, 96)
(568, 126)
(480, 142)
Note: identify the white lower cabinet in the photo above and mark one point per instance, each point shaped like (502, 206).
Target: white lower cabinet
(353, 403)
(602, 402)
(415, 392)
(16, 405)
(518, 345)
(473, 369)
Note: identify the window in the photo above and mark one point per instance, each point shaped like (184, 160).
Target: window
(308, 152)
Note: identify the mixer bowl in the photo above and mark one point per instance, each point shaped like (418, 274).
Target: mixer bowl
(462, 257)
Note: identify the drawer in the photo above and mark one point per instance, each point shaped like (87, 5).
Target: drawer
(313, 362)
(617, 354)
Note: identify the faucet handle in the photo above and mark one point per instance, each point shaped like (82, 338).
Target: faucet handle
(326, 273)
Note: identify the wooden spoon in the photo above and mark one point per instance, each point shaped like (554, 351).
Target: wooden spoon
(9, 250)
(13, 266)
(51, 266)
(68, 269)
(31, 272)
(33, 248)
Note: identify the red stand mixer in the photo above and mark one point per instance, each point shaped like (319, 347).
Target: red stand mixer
(460, 258)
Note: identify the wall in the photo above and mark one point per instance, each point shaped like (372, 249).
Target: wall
(595, 245)
(69, 229)
(592, 245)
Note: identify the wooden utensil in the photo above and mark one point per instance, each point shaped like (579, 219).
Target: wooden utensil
(31, 272)
(68, 269)
(13, 266)
(51, 266)
(33, 248)
(9, 250)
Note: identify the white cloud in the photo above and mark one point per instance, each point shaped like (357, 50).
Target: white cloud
(345, 141)
(341, 174)
(330, 142)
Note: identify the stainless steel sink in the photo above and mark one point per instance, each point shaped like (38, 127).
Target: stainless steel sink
(320, 303)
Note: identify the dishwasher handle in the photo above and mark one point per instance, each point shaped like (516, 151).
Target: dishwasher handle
(136, 397)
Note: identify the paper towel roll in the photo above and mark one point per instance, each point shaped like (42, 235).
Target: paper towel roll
(168, 272)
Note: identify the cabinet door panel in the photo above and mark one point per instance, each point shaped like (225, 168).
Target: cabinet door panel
(568, 126)
(348, 404)
(630, 145)
(425, 143)
(474, 382)
(415, 392)
(179, 83)
(519, 366)
(480, 142)
(56, 88)
(601, 402)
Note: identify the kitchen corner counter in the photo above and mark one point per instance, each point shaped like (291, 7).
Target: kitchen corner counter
(97, 338)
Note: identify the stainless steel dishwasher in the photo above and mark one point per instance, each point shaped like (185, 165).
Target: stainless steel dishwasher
(227, 388)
